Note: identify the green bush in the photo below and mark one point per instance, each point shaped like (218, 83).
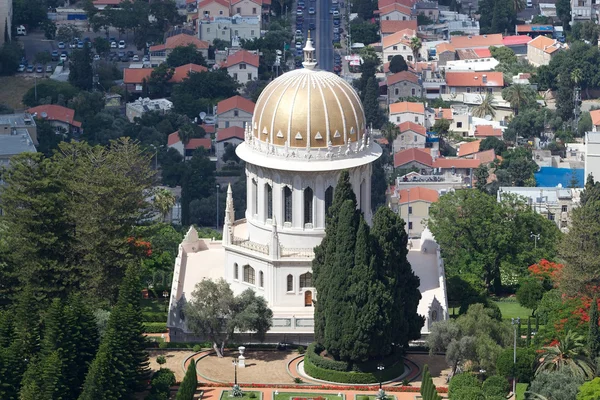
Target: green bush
(524, 367)
(351, 376)
(197, 348)
(297, 380)
(163, 345)
(461, 381)
(312, 354)
(161, 383)
(155, 327)
(496, 385)
(252, 395)
(154, 317)
(468, 393)
(188, 386)
(301, 350)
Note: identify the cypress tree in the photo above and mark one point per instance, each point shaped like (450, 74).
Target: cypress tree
(428, 389)
(189, 384)
(528, 331)
(594, 332)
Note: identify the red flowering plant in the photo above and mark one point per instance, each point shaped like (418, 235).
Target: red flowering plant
(140, 247)
(546, 271)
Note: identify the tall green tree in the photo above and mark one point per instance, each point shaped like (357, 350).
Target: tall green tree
(188, 386)
(594, 332)
(519, 96)
(182, 55)
(569, 355)
(80, 68)
(428, 389)
(198, 182)
(398, 64)
(373, 112)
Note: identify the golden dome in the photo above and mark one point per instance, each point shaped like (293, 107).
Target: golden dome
(308, 108)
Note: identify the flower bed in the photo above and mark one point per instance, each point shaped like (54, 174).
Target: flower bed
(358, 388)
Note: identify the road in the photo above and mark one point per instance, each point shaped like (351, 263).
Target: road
(324, 35)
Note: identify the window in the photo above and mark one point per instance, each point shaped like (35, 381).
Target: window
(409, 210)
(415, 138)
(328, 199)
(287, 204)
(261, 279)
(551, 216)
(403, 18)
(403, 47)
(417, 120)
(252, 33)
(413, 92)
(248, 274)
(564, 208)
(235, 32)
(396, 91)
(308, 298)
(387, 18)
(308, 206)
(249, 76)
(468, 90)
(404, 83)
(398, 119)
(254, 196)
(395, 48)
(459, 124)
(410, 225)
(269, 194)
(290, 283)
(226, 124)
(235, 76)
(238, 10)
(236, 274)
(243, 66)
(306, 280)
(409, 58)
(221, 12)
(489, 90)
(207, 30)
(390, 58)
(253, 10)
(236, 113)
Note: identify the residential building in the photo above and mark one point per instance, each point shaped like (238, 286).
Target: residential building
(234, 111)
(534, 30)
(231, 136)
(476, 41)
(468, 149)
(474, 82)
(229, 28)
(411, 136)
(395, 12)
(213, 8)
(385, 3)
(6, 17)
(412, 204)
(12, 124)
(134, 78)
(388, 27)
(143, 105)
(414, 159)
(456, 166)
(584, 10)
(430, 9)
(595, 114)
(398, 44)
(407, 111)
(401, 85)
(483, 131)
(445, 52)
(554, 203)
(62, 118)
(242, 66)
(541, 50)
(472, 54)
(469, 27)
(476, 65)
(160, 52)
(187, 150)
(517, 43)
(246, 7)
(13, 144)
(592, 155)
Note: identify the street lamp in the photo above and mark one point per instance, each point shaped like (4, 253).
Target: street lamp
(165, 296)
(535, 238)
(235, 364)
(380, 367)
(515, 322)
(218, 186)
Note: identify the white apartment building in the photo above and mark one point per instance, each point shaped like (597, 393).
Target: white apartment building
(228, 28)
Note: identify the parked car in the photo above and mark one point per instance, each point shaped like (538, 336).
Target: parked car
(336, 13)
(80, 45)
(130, 53)
(122, 44)
(299, 45)
(49, 68)
(39, 69)
(63, 57)
(146, 59)
(21, 68)
(30, 68)
(55, 55)
(136, 58)
(311, 11)
(312, 26)
(96, 57)
(113, 45)
(73, 44)
(301, 3)
(61, 45)
(332, 9)
(336, 22)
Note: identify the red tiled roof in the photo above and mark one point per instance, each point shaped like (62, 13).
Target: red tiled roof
(418, 194)
(183, 71)
(483, 53)
(395, 7)
(195, 143)
(235, 102)
(406, 106)
(468, 148)
(231, 132)
(395, 26)
(456, 163)
(54, 112)
(204, 3)
(445, 113)
(181, 40)
(409, 155)
(240, 57)
(173, 138)
(208, 128)
(385, 3)
(403, 36)
(402, 76)
(464, 79)
(442, 47)
(475, 41)
(486, 156)
(136, 75)
(515, 40)
(545, 44)
(411, 126)
(489, 130)
(595, 114)
(107, 2)
(259, 2)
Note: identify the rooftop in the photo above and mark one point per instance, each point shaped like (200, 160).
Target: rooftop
(53, 112)
(545, 44)
(234, 102)
(471, 79)
(409, 155)
(442, 47)
(17, 120)
(411, 126)
(146, 104)
(488, 130)
(468, 148)
(229, 133)
(406, 106)
(516, 40)
(402, 76)
(180, 40)
(475, 41)
(242, 56)
(595, 114)
(396, 26)
(446, 163)
(403, 36)
(11, 145)
(537, 28)
(418, 194)
(395, 7)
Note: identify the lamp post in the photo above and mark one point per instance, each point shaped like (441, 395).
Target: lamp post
(165, 296)
(235, 364)
(380, 367)
(218, 186)
(515, 322)
(535, 238)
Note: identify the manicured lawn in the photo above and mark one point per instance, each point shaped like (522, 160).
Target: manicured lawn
(226, 395)
(521, 388)
(154, 305)
(512, 309)
(292, 395)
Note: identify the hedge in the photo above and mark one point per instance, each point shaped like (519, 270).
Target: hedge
(155, 327)
(352, 376)
(313, 351)
(154, 317)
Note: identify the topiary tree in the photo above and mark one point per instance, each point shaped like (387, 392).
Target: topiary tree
(496, 385)
(189, 384)
(462, 382)
(428, 389)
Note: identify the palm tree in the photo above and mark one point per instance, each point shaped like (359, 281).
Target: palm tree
(576, 76)
(164, 200)
(186, 132)
(568, 355)
(415, 46)
(518, 95)
(486, 107)
(518, 5)
(390, 133)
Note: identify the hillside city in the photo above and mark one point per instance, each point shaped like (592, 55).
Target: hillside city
(299, 199)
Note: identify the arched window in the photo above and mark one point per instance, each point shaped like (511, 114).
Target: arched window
(287, 204)
(248, 274)
(308, 299)
(236, 274)
(290, 283)
(308, 206)
(328, 199)
(254, 196)
(269, 200)
(306, 280)
(261, 279)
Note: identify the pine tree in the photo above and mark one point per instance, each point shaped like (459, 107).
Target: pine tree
(594, 333)
(42, 380)
(190, 383)
(428, 389)
(27, 324)
(373, 112)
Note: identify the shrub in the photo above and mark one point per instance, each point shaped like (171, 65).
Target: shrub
(297, 380)
(312, 354)
(351, 376)
(301, 350)
(496, 385)
(524, 367)
(161, 383)
(252, 395)
(468, 393)
(197, 348)
(161, 360)
(155, 327)
(163, 345)
(154, 317)
(188, 386)
(460, 381)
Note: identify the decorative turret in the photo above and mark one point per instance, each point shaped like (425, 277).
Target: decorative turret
(274, 247)
(309, 54)
(229, 217)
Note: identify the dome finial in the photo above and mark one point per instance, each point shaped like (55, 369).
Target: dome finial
(309, 54)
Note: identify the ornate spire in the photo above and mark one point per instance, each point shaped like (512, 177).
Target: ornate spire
(309, 54)
(229, 210)
(274, 247)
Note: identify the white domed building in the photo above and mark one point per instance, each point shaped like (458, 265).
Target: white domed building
(308, 126)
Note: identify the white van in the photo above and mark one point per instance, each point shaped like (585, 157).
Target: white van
(21, 31)
(529, 3)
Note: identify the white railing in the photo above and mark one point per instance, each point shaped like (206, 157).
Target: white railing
(297, 252)
(247, 244)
